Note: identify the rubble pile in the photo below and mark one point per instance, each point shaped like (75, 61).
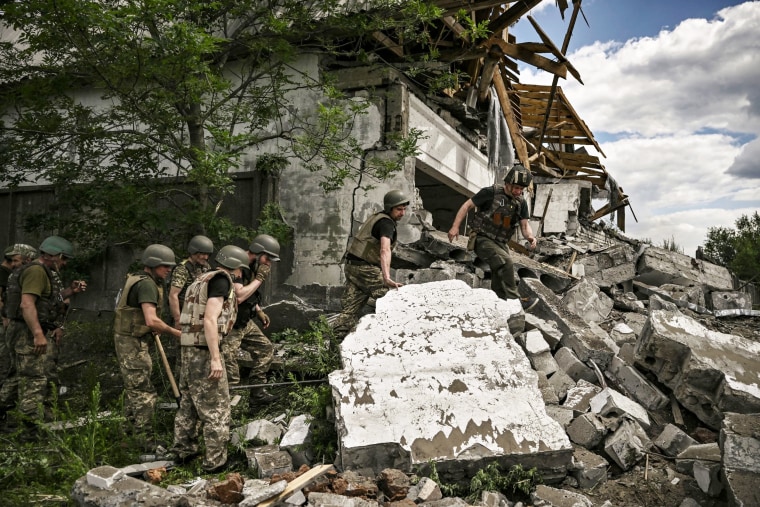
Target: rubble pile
(618, 367)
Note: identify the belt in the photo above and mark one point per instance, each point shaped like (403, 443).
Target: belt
(359, 262)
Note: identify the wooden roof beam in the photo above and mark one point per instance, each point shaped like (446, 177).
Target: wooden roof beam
(511, 15)
(555, 50)
(389, 43)
(512, 50)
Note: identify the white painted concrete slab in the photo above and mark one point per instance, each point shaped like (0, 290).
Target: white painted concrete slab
(435, 375)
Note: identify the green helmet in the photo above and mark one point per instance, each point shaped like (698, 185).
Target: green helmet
(232, 257)
(394, 198)
(158, 255)
(264, 243)
(54, 245)
(200, 244)
(518, 175)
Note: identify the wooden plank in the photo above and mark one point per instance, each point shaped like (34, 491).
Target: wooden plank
(514, 129)
(554, 49)
(296, 484)
(517, 10)
(389, 43)
(677, 415)
(543, 63)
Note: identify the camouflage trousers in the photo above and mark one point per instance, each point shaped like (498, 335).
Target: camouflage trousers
(362, 282)
(204, 400)
(253, 340)
(496, 255)
(6, 356)
(136, 366)
(31, 374)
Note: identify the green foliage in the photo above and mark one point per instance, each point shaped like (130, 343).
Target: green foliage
(314, 348)
(272, 223)
(737, 249)
(517, 483)
(473, 32)
(186, 90)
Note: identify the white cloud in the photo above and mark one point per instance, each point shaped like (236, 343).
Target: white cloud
(684, 110)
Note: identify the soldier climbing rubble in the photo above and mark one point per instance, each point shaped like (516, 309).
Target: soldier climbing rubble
(500, 209)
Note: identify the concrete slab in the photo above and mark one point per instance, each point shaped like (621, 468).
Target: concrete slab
(434, 375)
(588, 302)
(740, 446)
(709, 372)
(658, 266)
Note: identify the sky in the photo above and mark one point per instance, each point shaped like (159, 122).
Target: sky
(672, 95)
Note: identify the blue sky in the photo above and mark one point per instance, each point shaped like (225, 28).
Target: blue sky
(671, 93)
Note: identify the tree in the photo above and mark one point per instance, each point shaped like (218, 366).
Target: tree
(185, 89)
(737, 249)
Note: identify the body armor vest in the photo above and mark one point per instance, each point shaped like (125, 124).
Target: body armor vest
(501, 219)
(50, 309)
(193, 272)
(246, 308)
(129, 320)
(367, 247)
(194, 310)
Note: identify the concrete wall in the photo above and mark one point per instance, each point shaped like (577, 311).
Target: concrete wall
(450, 168)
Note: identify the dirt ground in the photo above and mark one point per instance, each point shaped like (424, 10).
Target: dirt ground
(88, 358)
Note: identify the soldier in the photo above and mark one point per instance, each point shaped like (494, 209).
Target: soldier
(14, 257)
(207, 316)
(499, 211)
(246, 334)
(36, 306)
(199, 248)
(135, 322)
(368, 261)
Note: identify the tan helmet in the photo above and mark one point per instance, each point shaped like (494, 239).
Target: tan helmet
(158, 255)
(231, 257)
(200, 244)
(264, 243)
(518, 175)
(394, 198)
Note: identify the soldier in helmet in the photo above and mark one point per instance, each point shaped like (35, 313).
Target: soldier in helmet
(207, 317)
(247, 334)
(499, 210)
(36, 306)
(14, 257)
(199, 248)
(136, 320)
(368, 261)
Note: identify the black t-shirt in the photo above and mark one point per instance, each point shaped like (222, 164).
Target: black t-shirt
(384, 228)
(4, 274)
(219, 286)
(484, 198)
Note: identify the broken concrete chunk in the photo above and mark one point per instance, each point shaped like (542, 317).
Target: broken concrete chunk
(627, 445)
(636, 385)
(548, 329)
(333, 500)
(730, 300)
(658, 266)
(297, 440)
(707, 476)
(545, 496)
(570, 364)
(589, 469)
(709, 372)
(578, 397)
(587, 430)
(587, 301)
(673, 441)
(268, 460)
(611, 403)
(740, 445)
(562, 415)
(104, 477)
(419, 383)
(260, 429)
(427, 490)
(561, 382)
